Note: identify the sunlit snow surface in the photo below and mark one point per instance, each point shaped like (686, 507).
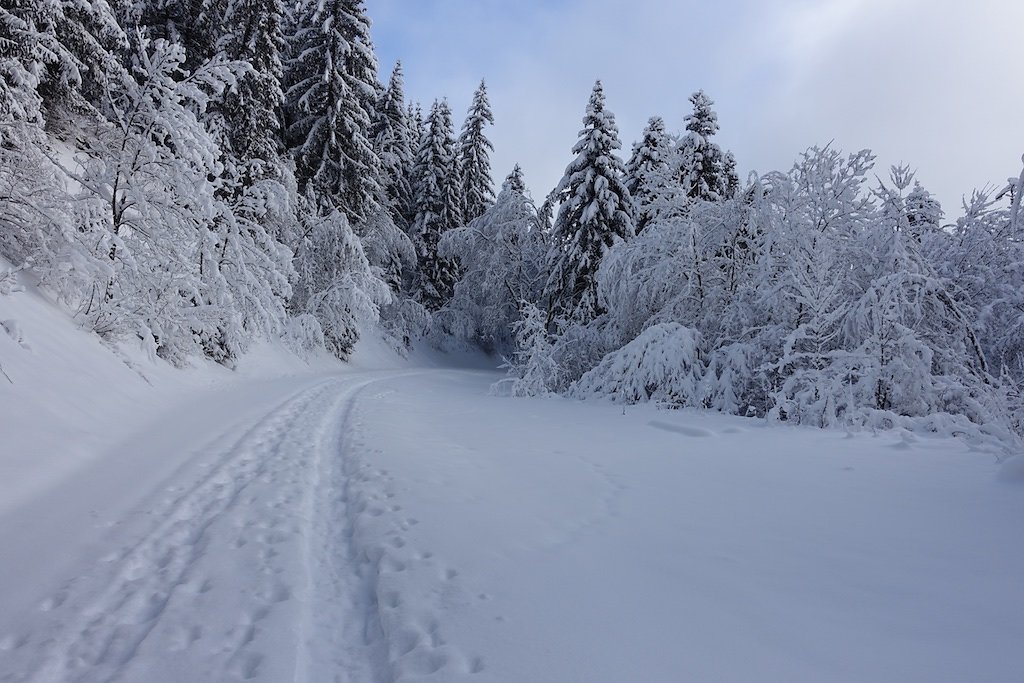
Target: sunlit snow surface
(401, 524)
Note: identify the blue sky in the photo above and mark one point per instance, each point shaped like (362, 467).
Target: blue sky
(935, 84)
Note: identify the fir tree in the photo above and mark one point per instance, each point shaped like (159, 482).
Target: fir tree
(706, 172)
(253, 34)
(437, 206)
(648, 172)
(68, 49)
(474, 157)
(395, 146)
(595, 212)
(515, 182)
(924, 213)
(331, 76)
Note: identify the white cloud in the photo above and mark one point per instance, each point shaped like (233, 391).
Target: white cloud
(933, 83)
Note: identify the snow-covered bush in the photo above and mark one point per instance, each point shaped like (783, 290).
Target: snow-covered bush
(663, 364)
(502, 254)
(336, 284)
(533, 370)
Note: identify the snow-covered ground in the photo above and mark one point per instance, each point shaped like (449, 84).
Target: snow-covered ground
(393, 521)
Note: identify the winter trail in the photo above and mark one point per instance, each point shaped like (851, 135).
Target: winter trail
(248, 567)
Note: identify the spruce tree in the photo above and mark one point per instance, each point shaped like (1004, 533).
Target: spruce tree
(395, 146)
(438, 207)
(706, 172)
(514, 181)
(595, 212)
(474, 157)
(924, 213)
(67, 50)
(331, 77)
(648, 172)
(253, 34)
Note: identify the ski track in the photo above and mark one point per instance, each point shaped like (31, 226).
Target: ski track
(286, 559)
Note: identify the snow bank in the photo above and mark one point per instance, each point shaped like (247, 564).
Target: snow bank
(1012, 470)
(67, 397)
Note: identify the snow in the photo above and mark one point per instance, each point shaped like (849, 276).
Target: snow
(596, 545)
(389, 520)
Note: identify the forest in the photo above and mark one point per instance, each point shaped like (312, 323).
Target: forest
(198, 175)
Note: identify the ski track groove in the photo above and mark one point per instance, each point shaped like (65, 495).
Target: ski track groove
(98, 645)
(294, 497)
(287, 512)
(388, 636)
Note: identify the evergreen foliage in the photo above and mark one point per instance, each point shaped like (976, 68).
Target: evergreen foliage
(438, 206)
(395, 145)
(474, 157)
(595, 213)
(329, 102)
(706, 172)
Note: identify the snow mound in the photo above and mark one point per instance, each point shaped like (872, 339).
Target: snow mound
(1012, 470)
(662, 364)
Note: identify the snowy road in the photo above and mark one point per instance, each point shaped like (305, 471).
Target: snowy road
(240, 564)
(405, 526)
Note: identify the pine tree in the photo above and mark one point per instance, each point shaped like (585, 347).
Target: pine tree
(595, 212)
(438, 206)
(648, 173)
(705, 171)
(924, 213)
(331, 77)
(515, 182)
(395, 146)
(251, 109)
(474, 157)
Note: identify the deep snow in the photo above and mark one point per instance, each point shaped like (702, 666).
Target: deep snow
(391, 520)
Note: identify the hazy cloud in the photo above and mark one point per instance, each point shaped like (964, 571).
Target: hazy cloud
(934, 84)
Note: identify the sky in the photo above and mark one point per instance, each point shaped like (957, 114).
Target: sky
(935, 84)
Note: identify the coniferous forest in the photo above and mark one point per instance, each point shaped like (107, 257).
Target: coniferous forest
(200, 175)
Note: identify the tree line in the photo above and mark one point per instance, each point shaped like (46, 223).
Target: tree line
(201, 174)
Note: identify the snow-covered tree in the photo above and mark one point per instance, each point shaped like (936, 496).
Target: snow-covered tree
(336, 285)
(67, 50)
(650, 175)
(706, 172)
(395, 147)
(331, 78)
(663, 364)
(438, 206)
(595, 212)
(502, 254)
(533, 369)
(924, 213)
(252, 34)
(474, 157)
(389, 249)
(148, 212)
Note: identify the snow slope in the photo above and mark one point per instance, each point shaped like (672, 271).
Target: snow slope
(393, 521)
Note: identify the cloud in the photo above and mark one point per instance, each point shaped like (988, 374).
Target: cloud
(932, 83)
